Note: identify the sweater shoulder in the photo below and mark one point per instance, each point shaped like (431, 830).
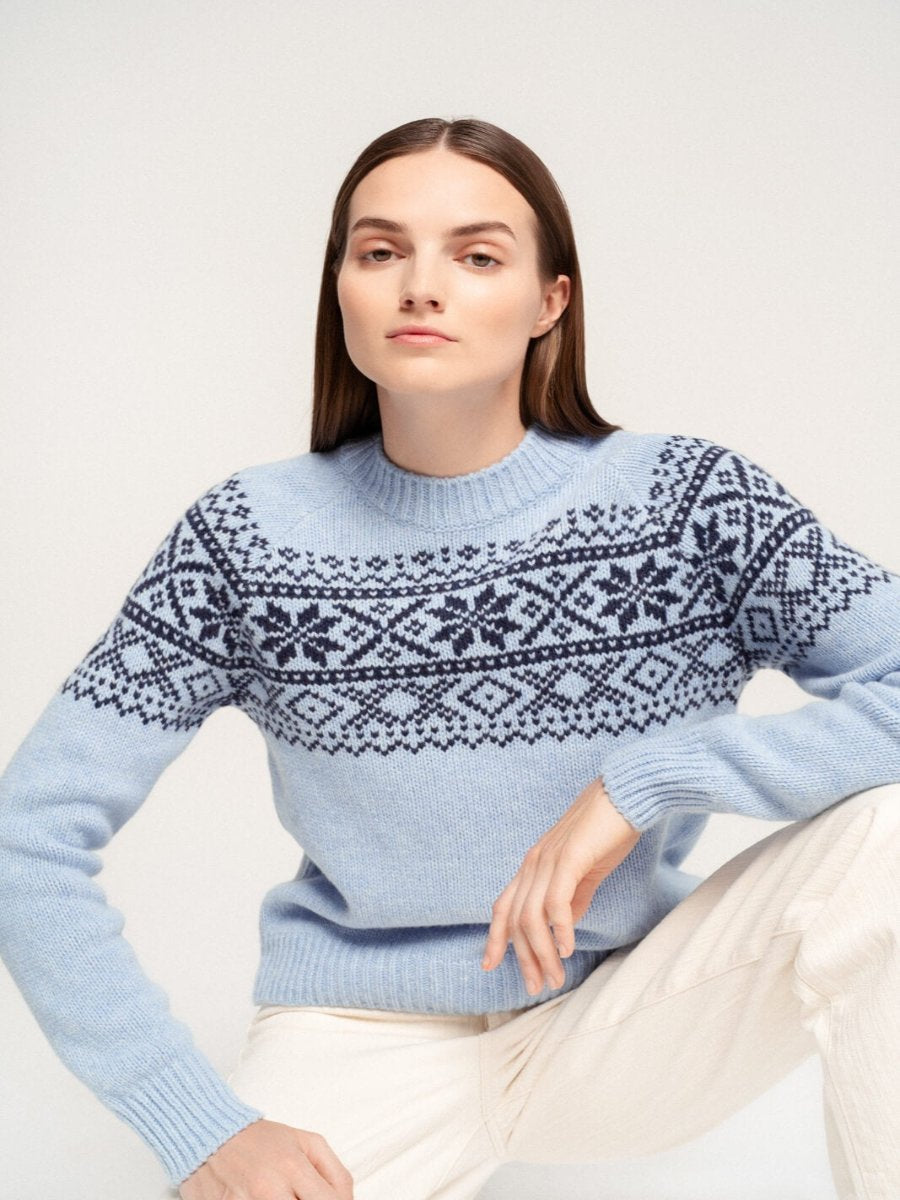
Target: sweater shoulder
(646, 459)
(679, 473)
(283, 490)
(256, 505)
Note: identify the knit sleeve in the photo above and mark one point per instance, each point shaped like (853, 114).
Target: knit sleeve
(170, 658)
(794, 597)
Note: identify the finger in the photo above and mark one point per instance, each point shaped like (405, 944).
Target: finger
(330, 1168)
(563, 929)
(559, 904)
(535, 917)
(308, 1184)
(528, 964)
(560, 920)
(523, 927)
(498, 933)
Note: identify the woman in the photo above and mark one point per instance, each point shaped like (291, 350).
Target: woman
(495, 645)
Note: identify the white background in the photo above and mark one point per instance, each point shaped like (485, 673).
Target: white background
(168, 175)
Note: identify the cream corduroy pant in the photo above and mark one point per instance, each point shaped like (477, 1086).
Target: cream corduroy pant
(790, 948)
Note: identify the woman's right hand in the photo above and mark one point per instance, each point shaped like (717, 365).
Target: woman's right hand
(270, 1161)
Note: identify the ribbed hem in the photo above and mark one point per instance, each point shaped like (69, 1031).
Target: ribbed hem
(311, 967)
(540, 463)
(650, 776)
(184, 1113)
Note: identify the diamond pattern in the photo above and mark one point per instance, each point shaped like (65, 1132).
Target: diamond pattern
(624, 615)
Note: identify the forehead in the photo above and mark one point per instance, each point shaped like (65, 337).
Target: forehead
(438, 189)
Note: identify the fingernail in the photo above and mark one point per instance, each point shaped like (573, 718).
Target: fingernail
(485, 961)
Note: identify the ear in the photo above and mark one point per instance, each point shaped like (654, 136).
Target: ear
(556, 297)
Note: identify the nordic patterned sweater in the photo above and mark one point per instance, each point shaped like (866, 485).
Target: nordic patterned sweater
(438, 666)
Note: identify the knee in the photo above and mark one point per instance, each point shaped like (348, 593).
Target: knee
(857, 930)
(877, 812)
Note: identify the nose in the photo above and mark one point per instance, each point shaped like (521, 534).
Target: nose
(421, 288)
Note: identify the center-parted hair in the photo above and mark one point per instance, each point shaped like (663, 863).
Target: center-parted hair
(553, 389)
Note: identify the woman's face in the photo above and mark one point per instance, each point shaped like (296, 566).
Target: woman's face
(408, 261)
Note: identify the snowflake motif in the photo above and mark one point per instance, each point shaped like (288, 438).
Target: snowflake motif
(212, 623)
(458, 644)
(306, 630)
(643, 588)
(487, 614)
(718, 549)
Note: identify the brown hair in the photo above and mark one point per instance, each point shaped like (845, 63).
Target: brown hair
(553, 390)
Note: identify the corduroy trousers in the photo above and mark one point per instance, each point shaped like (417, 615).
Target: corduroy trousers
(790, 948)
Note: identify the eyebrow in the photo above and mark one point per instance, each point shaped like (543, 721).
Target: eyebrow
(459, 231)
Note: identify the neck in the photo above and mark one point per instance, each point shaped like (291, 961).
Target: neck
(444, 437)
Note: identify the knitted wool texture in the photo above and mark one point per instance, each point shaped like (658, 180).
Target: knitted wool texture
(438, 666)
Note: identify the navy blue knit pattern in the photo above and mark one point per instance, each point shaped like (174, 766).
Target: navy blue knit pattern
(610, 618)
(438, 667)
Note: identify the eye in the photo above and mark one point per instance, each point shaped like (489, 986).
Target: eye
(377, 250)
(479, 254)
(482, 266)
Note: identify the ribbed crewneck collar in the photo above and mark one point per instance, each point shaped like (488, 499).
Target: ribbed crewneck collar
(541, 462)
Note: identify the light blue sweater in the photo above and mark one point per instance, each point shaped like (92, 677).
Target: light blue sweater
(438, 667)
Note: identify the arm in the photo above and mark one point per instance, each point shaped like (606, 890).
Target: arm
(796, 598)
(169, 659)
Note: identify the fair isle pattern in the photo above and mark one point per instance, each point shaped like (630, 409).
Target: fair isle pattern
(778, 572)
(613, 617)
(170, 652)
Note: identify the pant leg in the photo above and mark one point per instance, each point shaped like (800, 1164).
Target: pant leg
(790, 948)
(397, 1096)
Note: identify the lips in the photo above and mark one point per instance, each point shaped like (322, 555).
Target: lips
(423, 330)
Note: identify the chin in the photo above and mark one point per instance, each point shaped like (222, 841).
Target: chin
(420, 383)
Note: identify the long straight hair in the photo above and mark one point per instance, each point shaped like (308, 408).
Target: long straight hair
(553, 391)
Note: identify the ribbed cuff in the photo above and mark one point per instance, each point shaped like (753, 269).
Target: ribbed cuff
(184, 1113)
(651, 776)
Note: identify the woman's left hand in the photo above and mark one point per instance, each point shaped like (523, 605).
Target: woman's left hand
(555, 885)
